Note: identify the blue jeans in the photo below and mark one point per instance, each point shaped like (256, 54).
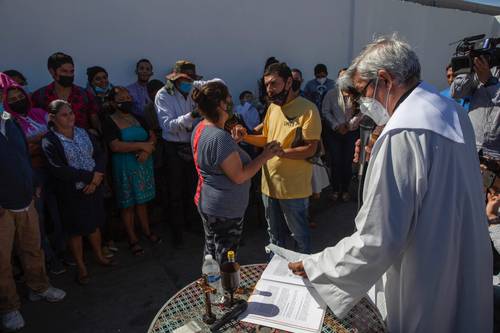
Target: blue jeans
(293, 213)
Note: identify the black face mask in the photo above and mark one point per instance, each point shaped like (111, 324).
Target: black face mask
(20, 106)
(66, 81)
(125, 106)
(280, 99)
(296, 85)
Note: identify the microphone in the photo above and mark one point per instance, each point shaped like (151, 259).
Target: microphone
(240, 307)
(364, 136)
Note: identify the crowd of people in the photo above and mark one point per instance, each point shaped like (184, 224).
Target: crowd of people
(72, 156)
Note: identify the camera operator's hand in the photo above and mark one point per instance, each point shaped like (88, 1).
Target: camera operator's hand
(482, 69)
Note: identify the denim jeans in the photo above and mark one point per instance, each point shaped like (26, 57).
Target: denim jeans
(288, 212)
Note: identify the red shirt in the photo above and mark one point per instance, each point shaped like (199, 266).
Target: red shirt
(82, 102)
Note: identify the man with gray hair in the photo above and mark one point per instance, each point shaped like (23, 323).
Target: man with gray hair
(421, 241)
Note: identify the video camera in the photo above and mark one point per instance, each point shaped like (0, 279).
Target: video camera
(472, 47)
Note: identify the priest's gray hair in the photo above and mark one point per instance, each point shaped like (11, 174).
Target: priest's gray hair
(390, 53)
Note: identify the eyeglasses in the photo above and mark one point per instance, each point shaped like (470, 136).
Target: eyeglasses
(362, 93)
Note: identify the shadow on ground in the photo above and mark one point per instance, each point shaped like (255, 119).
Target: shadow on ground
(126, 298)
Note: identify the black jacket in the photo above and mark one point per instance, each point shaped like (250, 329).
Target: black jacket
(57, 164)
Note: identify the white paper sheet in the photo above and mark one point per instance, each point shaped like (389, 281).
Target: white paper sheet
(290, 256)
(284, 300)
(277, 270)
(285, 306)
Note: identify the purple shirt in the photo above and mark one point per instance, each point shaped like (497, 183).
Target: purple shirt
(140, 96)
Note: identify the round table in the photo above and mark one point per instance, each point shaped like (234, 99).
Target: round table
(188, 304)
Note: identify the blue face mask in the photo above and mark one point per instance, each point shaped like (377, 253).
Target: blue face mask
(185, 87)
(99, 90)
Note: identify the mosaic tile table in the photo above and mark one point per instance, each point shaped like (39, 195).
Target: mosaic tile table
(188, 304)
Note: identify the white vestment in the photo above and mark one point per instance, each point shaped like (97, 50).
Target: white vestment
(422, 234)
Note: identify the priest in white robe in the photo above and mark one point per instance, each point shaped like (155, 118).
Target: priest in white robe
(421, 237)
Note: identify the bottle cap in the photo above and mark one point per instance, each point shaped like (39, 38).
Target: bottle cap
(208, 257)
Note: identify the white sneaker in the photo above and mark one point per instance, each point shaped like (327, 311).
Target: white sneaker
(50, 295)
(12, 321)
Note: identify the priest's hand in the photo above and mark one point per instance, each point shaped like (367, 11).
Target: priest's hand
(297, 268)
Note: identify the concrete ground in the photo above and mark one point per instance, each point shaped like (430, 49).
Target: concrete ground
(126, 298)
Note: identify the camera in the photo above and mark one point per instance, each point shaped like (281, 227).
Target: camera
(473, 47)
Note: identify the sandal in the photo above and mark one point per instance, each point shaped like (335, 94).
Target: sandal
(82, 280)
(112, 247)
(110, 263)
(136, 249)
(154, 239)
(334, 196)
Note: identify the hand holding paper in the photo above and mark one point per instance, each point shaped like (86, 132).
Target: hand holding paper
(298, 268)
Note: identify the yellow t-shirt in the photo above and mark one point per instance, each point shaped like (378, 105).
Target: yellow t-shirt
(284, 178)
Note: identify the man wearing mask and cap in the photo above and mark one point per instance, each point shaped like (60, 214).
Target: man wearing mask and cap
(316, 89)
(177, 115)
(294, 122)
(83, 104)
(421, 238)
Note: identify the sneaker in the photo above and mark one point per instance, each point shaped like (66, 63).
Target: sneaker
(51, 295)
(12, 321)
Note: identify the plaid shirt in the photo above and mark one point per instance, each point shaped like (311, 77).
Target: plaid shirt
(82, 102)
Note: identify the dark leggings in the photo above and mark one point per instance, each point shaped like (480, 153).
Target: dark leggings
(341, 148)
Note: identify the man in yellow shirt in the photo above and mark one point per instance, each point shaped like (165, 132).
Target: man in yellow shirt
(294, 122)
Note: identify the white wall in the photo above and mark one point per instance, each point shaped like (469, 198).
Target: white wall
(226, 38)
(496, 27)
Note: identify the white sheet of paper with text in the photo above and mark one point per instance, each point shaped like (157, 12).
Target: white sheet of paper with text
(285, 306)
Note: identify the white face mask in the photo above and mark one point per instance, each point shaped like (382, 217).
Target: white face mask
(321, 80)
(374, 109)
